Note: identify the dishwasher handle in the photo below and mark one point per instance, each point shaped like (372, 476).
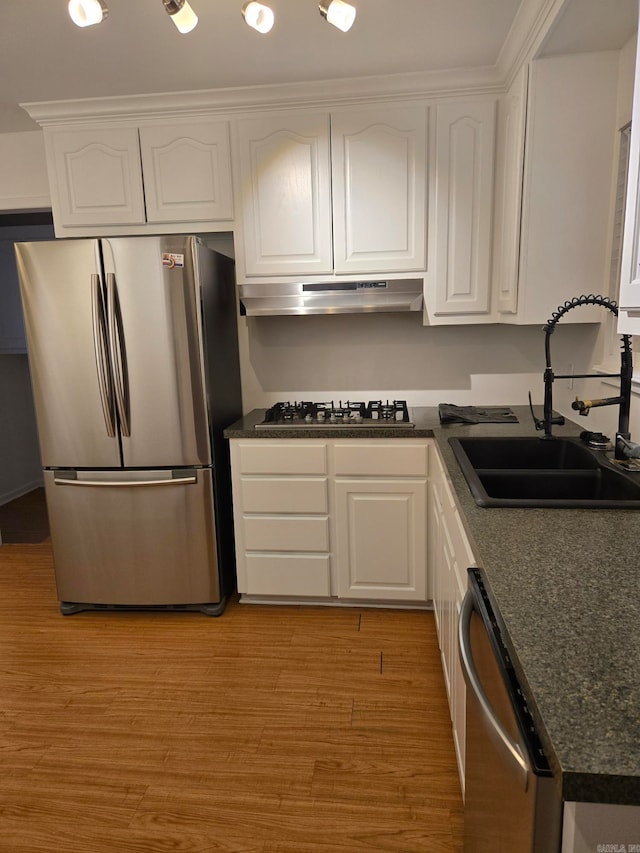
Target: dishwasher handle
(509, 748)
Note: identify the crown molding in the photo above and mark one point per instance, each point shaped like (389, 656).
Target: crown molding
(323, 93)
(531, 27)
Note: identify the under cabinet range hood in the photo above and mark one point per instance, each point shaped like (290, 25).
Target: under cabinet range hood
(334, 297)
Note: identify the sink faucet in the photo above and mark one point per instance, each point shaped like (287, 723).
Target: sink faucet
(624, 447)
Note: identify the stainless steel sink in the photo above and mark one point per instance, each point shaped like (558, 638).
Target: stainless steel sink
(527, 471)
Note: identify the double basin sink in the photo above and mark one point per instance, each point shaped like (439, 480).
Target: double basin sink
(557, 472)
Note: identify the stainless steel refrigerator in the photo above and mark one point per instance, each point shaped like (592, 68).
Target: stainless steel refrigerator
(133, 352)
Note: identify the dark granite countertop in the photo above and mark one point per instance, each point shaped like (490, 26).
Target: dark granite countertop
(567, 584)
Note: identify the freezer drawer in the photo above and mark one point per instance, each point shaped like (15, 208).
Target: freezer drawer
(133, 537)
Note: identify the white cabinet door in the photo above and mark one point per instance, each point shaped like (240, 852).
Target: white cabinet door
(95, 176)
(458, 689)
(508, 193)
(380, 539)
(462, 219)
(187, 171)
(379, 181)
(629, 318)
(450, 555)
(285, 195)
(567, 184)
(434, 552)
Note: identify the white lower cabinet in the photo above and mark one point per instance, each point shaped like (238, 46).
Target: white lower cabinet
(341, 519)
(281, 517)
(381, 539)
(355, 520)
(450, 555)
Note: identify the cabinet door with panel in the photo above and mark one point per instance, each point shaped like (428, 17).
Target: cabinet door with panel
(461, 225)
(450, 557)
(567, 183)
(629, 317)
(187, 172)
(379, 187)
(95, 176)
(380, 539)
(508, 193)
(380, 495)
(285, 195)
(130, 176)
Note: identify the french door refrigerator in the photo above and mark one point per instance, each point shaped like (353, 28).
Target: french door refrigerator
(133, 352)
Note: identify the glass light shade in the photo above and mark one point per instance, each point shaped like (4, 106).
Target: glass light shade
(86, 13)
(340, 14)
(185, 18)
(258, 16)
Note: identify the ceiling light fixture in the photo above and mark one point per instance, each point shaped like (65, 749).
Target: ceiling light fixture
(86, 13)
(340, 14)
(181, 14)
(258, 16)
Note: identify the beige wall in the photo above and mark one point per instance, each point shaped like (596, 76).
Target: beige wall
(24, 184)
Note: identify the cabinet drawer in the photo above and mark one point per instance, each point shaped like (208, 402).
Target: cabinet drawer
(381, 459)
(284, 574)
(278, 457)
(286, 494)
(289, 533)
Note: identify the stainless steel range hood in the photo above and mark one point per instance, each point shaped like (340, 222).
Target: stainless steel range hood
(335, 297)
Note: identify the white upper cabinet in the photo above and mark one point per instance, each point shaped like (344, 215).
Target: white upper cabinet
(128, 176)
(285, 195)
(187, 172)
(512, 110)
(629, 317)
(567, 181)
(332, 193)
(461, 225)
(98, 176)
(379, 186)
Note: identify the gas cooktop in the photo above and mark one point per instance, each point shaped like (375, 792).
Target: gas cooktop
(306, 415)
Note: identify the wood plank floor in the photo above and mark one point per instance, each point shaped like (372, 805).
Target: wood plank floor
(268, 730)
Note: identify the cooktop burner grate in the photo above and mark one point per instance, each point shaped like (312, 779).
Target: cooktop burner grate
(305, 415)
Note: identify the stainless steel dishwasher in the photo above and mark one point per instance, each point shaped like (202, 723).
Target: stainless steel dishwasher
(511, 801)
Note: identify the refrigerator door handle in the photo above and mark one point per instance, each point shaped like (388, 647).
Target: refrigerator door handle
(102, 358)
(116, 349)
(508, 747)
(166, 481)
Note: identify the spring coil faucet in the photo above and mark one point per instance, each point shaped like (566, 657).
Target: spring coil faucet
(624, 448)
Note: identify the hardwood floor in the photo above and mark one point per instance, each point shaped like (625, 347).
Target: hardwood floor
(268, 730)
